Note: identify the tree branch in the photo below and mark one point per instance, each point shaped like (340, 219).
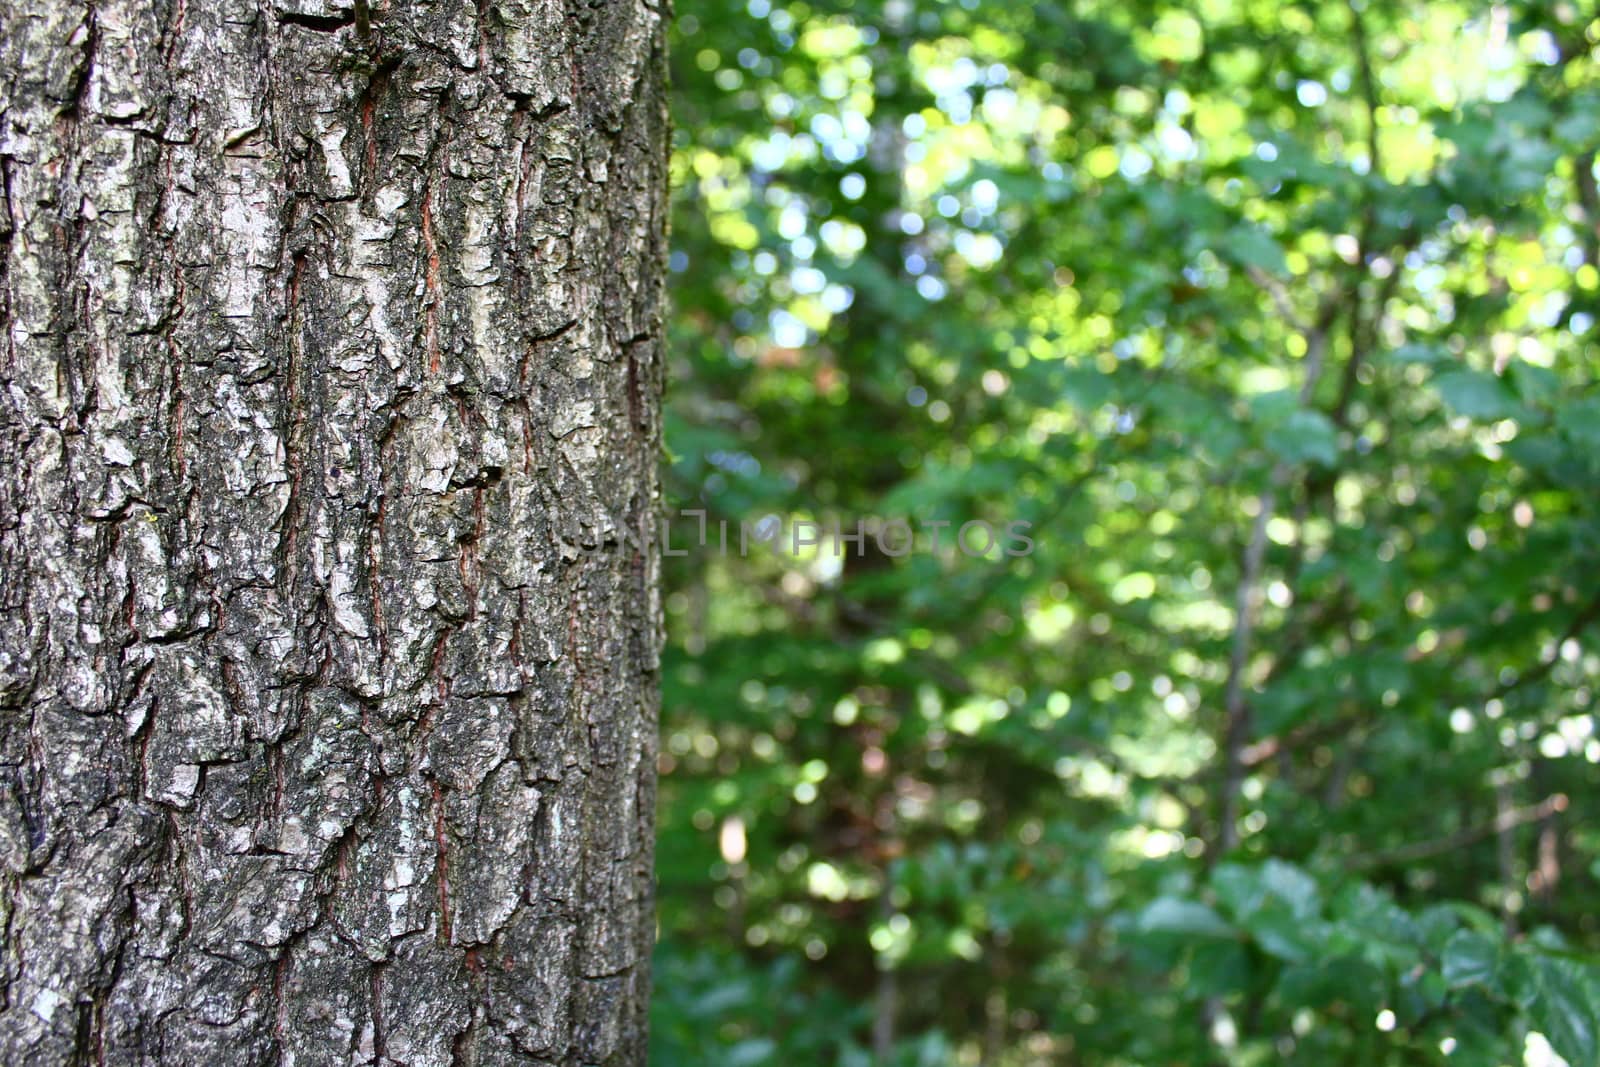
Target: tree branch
(1507, 819)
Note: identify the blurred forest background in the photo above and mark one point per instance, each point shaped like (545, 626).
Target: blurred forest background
(1277, 320)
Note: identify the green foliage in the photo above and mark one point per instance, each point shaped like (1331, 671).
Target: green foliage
(1183, 287)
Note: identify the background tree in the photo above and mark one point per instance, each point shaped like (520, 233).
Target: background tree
(332, 349)
(1277, 321)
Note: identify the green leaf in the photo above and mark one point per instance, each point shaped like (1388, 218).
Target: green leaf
(1219, 966)
(1564, 1010)
(1580, 421)
(1170, 915)
(1470, 959)
(1581, 128)
(1251, 247)
(1293, 886)
(1306, 437)
(1277, 903)
(1239, 890)
(752, 1051)
(1419, 353)
(1282, 935)
(1475, 394)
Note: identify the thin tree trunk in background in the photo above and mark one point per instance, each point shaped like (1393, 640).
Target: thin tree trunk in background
(1505, 837)
(327, 481)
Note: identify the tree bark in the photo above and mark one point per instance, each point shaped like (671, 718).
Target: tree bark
(328, 433)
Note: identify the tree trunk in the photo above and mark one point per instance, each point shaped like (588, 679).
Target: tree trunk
(327, 482)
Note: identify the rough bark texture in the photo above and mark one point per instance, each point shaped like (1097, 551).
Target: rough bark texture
(328, 422)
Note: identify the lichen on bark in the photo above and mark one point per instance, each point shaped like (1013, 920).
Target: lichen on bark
(328, 432)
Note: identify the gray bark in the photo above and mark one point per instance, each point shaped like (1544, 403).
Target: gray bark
(328, 430)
